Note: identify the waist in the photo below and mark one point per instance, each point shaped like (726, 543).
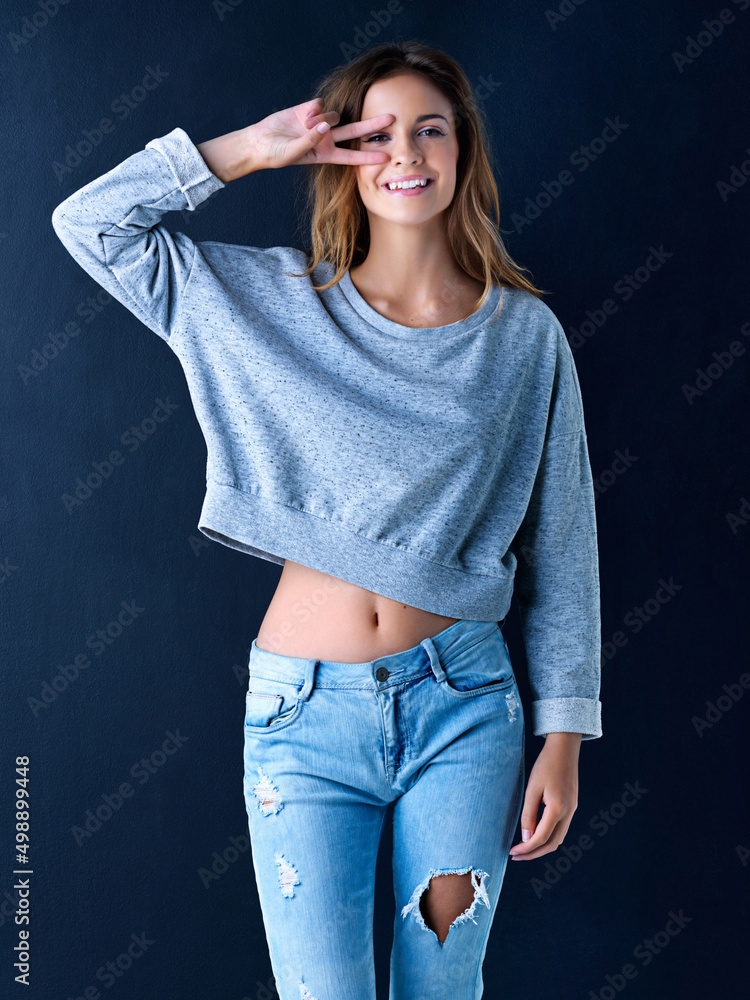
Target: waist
(448, 643)
(315, 615)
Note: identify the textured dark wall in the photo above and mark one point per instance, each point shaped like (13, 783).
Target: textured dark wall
(643, 243)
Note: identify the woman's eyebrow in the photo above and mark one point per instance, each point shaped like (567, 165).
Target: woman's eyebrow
(419, 118)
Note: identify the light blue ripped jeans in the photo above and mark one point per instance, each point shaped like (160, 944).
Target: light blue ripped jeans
(438, 730)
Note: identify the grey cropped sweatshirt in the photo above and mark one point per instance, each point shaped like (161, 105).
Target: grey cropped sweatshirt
(443, 467)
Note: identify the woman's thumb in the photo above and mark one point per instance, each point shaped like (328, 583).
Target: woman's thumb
(312, 136)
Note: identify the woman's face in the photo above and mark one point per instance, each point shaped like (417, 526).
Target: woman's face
(420, 141)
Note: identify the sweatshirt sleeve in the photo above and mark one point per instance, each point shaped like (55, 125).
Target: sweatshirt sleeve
(112, 227)
(557, 571)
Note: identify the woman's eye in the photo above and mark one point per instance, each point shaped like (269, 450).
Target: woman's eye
(381, 135)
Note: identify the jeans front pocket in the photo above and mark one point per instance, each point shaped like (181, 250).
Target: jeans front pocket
(270, 704)
(483, 669)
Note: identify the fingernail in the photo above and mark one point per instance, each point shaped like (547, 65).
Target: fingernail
(323, 127)
(525, 834)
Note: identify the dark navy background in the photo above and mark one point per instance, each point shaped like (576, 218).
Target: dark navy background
(643, 244)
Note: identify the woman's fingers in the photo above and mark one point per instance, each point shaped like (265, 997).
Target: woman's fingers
(553, 823)
(337, 154)
(323, 116)
(355, 129)
(324, 148)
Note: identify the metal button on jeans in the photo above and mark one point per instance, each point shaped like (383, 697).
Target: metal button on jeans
(382, 673)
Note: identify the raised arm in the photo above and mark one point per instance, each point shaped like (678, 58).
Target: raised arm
(112, 225)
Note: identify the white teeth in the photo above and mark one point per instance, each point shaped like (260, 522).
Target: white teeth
(406, 184)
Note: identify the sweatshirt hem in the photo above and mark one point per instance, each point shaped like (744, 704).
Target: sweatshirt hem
(269, 530)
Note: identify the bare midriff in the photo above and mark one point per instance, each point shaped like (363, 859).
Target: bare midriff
(317, 616)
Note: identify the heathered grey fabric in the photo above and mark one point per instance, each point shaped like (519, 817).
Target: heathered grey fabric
(435, 466)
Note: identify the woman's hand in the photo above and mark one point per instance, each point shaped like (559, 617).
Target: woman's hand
(291, 136)
(553, 781)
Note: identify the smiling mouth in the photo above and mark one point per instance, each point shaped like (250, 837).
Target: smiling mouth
(410, 188)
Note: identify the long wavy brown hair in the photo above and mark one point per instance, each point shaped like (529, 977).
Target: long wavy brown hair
(339, 226)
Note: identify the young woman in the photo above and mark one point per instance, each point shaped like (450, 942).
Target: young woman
(395, 418)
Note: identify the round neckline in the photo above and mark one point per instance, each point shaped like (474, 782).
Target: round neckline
(459, 326)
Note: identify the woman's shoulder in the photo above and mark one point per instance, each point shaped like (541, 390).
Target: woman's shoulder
(533, 320)
(264, 255)
(271, 263)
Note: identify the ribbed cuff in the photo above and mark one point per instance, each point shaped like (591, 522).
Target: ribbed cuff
(567, 715)
(196, 181)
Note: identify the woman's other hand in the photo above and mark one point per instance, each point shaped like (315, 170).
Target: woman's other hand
(554, 782)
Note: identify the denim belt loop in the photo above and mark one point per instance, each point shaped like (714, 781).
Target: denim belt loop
(437, 669)
(310, 667)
